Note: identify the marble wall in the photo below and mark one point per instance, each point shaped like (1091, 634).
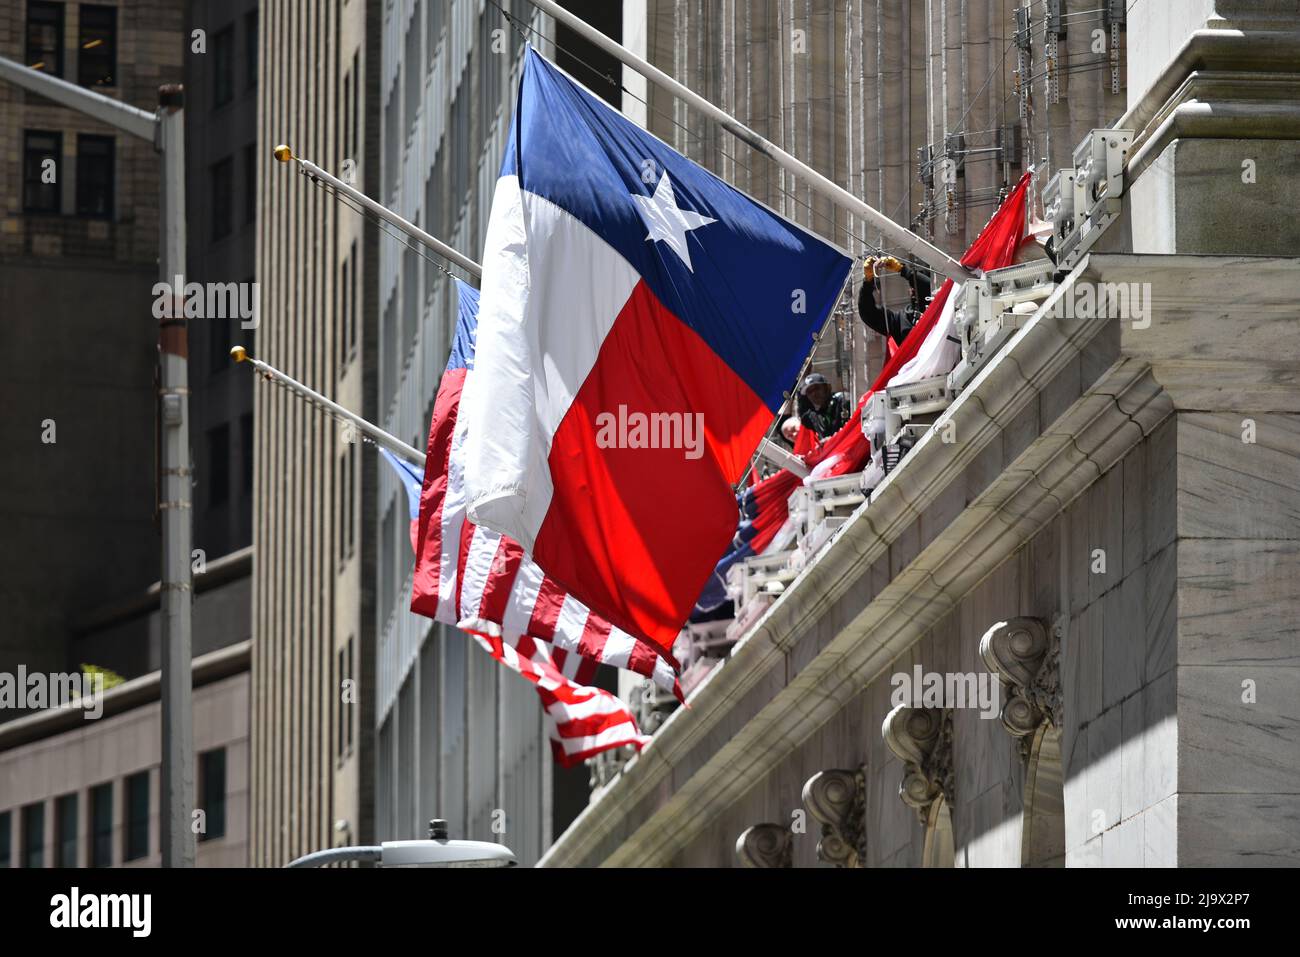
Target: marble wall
(1119, 743)
(1238, 642)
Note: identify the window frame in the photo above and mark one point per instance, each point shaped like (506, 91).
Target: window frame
(83, 66)
(208, 802)
(223, 66)
(63, 843)
(36, 811)
(136, 843)
(30, 181)
(96, 832)
(83, 159)
(223, 222)
(61, 25)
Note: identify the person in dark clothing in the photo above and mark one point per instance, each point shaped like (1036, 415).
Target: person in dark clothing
(894, 323)
(820, 411)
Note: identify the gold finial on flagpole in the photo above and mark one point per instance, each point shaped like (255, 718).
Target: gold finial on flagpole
(283, 153)
(238, 354)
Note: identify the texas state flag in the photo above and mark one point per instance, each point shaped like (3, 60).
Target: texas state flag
(639, 322)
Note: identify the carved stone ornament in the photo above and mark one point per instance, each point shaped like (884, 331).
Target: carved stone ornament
(1026, 654)
(922, 739)
(766, 845)
(836, 799)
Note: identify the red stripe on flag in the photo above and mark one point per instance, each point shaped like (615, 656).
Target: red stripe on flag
(546, 610)
(501, 579)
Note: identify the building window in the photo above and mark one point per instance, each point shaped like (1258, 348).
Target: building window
(41, 154)
(349, 721)
(250, 50)
(223, 183)
(433, 27)
(97, 46)
(137, 816)
(45, 37)
(348, 703)
(414, 74)
(33, 824)
(6, 839)
(246, 437)
(65, 830)
(218, 465)
(94, 176)
(223, 67)
(212, 793)
(345, 306)
(356, 117)
(101, 825)
(352, 334)
(250, 182)
(218, 344)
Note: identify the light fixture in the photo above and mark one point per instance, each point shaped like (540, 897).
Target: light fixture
(437, 851)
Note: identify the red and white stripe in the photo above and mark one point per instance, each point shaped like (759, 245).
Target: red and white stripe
(581, 721)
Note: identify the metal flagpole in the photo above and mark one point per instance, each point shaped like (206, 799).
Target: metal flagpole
(374, 432)
(284, 154)
(166, 131)
(940, 261)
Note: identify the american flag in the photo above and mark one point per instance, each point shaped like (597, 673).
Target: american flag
(483, 582)
(581, 720)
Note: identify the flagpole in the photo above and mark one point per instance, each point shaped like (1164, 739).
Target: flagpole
(940, 261)
(284, 154)
(373, 432)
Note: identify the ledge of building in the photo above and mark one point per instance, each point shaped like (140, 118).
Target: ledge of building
(218, 572)
(1057, 407)
(143, 690)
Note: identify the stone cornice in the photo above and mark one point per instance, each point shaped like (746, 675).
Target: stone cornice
(1251, 51)
(933, 530)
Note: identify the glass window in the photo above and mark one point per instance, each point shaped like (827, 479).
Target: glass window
(33, 823)
(101, 825)
(94, 175)
(414, 75)
(250, 182)
(97, 46)
(137, 816)
(65, 830)
(218, 344)
(433, 23)
(223, 67)
(246, 437)
(45, 37)
(350, 723)
(356, 118)
(41, 154)
(411, 301)
(353, 283)
(218, 465)
(223, 184)
(250, 49)
(212, 792)
(6, 839)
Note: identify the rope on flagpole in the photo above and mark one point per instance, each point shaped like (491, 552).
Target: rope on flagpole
(369, 431)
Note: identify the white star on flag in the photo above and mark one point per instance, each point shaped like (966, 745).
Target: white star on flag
(668, 223)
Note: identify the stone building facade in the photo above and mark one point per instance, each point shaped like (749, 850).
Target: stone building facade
(1110, 535)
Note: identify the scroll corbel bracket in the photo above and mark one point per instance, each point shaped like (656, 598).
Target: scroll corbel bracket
(836, 799)
(922, 740)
